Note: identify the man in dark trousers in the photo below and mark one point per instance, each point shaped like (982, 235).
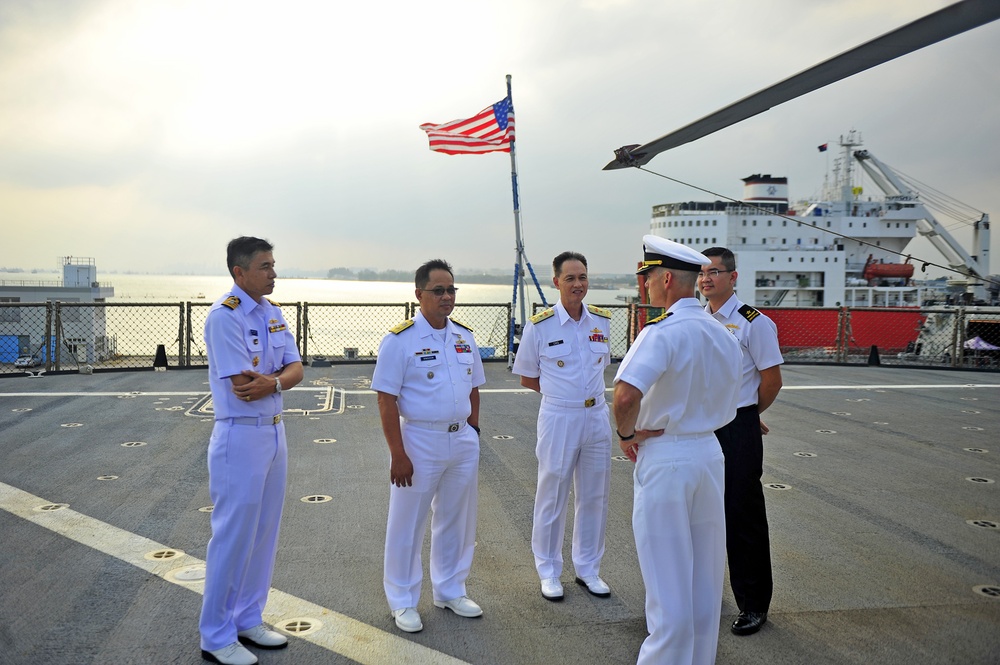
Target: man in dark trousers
(747, 545)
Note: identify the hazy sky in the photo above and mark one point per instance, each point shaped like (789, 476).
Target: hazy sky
(147, 133)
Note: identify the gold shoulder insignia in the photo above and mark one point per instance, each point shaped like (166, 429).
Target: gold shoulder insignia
(658, 319)
(400, 327)
(232, 302)
(599, 311)
(748, 312)
(541, 316)
(460, 324)
(276, 304)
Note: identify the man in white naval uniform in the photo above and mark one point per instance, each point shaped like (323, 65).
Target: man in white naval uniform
(747, 545)
(677, 384)
(427, 377)
(252, 357)
(562, 355)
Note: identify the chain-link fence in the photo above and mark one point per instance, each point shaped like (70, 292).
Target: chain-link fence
(84, 336)
(71, 336)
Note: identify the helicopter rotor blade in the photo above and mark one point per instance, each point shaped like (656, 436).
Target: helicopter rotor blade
(938, 26)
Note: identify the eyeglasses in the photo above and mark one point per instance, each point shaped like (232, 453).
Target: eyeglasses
(713, 273)
(439, 291)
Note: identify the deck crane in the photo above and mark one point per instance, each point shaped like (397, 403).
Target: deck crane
(903, 202)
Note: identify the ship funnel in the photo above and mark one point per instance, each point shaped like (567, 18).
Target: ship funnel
(765, 188)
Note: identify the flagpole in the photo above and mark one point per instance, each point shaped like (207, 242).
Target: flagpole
(519, 259)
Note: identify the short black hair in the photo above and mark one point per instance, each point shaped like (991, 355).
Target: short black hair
(728, 258)
(557, 263)
(424, 272)
(242, 250)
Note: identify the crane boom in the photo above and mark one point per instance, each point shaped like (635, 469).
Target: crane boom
(900, 196)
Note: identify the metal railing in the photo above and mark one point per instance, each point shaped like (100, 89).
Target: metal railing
(83, 336)
(74, 336)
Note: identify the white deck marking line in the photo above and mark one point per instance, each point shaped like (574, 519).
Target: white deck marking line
(888, 386)
(339, 633)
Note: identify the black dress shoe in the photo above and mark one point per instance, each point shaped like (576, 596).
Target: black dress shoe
(748, 623)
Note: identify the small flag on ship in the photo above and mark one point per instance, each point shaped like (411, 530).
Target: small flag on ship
(490, 130)
(822, 148)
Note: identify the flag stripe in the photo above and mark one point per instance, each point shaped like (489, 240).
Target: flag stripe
(490, 130)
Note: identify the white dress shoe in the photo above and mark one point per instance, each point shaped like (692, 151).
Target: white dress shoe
(463, 606)
(595, 585)
(408, 620)
(263, 637)
(234, 654)
(552, 589)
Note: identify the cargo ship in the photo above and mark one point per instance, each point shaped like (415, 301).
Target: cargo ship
(806, 262)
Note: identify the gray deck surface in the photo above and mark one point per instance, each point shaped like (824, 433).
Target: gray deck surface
(877, 558)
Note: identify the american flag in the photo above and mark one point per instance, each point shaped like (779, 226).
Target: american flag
(490, 130)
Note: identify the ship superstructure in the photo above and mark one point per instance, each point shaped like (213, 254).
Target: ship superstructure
(842, 250)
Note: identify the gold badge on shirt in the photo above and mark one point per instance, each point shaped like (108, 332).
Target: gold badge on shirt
(256, 360)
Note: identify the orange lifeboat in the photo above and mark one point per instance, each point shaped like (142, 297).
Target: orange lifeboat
(875, 270)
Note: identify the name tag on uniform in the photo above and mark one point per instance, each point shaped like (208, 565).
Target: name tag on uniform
(423, 358)
(556, 343)
(254, 333)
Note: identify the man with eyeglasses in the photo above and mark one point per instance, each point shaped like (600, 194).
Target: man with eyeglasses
(677, 384)
(427, 377)
(741, 440)
(562, 355)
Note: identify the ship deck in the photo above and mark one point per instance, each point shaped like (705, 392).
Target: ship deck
(882, 505)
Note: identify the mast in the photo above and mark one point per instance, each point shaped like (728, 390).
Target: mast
(520, 259)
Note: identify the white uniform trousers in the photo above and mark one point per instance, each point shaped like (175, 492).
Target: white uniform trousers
(445, 481)
(679, 522)
(247, 468)
(573, 444)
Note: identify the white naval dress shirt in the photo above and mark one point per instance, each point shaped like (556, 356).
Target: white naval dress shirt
(758, 340)
(568, 357)
(431, 379)
(251, 336)
(685, 372)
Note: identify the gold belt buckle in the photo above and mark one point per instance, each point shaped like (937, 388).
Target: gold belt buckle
(276, 419)
(590, 402)
(453, 427)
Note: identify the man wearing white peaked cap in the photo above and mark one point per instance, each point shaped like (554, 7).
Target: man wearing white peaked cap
(677, 384)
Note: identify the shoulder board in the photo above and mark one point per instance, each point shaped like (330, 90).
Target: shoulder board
(232, 302)
(400, 327)
(276, 304)
(599, 311)
(658, 319)
(460, 324)
(748, 312)
(541, 316)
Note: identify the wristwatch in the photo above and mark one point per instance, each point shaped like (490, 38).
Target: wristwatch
(277, 385)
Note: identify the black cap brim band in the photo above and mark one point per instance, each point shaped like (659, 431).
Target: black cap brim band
(662, 261)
